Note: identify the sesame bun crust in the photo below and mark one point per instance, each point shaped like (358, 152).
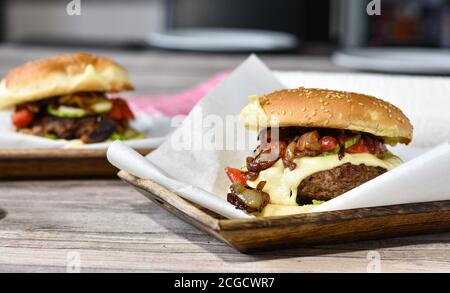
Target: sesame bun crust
(337, 109)
(64, 74)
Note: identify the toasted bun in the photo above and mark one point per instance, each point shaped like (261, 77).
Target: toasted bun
(64, 74)
(337, 109)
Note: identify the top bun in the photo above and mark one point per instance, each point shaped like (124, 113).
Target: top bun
(335, 109)
(59, 75)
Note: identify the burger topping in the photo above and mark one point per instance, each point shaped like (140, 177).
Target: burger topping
(290, 143)
(91, 117)
(120, 110)
(309, 141)
(79, 105)
(235, 175)
(246, 198)
(66, 111)
(22, 118)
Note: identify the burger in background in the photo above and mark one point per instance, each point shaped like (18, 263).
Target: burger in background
(65, 97)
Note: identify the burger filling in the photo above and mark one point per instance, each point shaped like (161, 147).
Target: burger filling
(303, 166)
(91, 117)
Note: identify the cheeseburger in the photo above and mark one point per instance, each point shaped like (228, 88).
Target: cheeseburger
(314, 145)
(65, 97)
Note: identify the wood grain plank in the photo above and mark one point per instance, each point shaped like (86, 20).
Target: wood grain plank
(116, 229)
(56, 163)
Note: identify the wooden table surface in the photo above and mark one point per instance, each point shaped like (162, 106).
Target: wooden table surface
(109, 227)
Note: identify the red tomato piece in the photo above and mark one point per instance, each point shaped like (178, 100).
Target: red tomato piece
(115, 112)
(235, 175)
(120, 110)
(126, 112)
(328, 143)
(358, 148)
(22, 118)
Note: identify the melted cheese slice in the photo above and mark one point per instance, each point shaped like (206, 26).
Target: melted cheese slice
(273, 210)
(282, 183)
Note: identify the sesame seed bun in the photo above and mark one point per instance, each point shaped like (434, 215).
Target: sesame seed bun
(337, 109)
(59, 75)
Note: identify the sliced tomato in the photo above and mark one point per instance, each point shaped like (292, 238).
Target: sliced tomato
(328, 143)
(120, 110)
(235, 175)
(22, 118)
(358, 148)
(126, 112)
(115, 112)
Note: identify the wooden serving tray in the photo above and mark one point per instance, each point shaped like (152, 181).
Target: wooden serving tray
(302, 229)
(56, 163)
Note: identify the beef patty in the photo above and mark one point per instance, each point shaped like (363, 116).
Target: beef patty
(328, 184)
(89, 129)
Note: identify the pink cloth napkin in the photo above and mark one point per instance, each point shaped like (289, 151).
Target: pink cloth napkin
(179, 103)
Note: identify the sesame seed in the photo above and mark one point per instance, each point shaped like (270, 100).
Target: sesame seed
(321, 100)
(326, 103)
(283, 112)
(290, 113)
(361, 104)
(326, 110)
(303, 109)
(322, 107)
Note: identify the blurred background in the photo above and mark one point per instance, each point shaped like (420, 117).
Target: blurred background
(314, 23)
(338, 35)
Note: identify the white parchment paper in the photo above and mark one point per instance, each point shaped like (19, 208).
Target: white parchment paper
(425, 176)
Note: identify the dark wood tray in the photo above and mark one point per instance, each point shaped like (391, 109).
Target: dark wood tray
(2, 214)
(56, 163)
(303, 229)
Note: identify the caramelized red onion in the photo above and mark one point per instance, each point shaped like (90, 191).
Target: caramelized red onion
(289, 156)
(375, 146)
(267, 156)
(309, 141)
